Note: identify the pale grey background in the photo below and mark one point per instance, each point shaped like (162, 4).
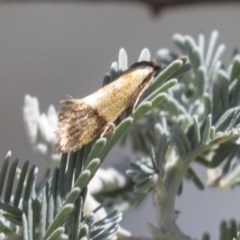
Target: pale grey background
(50, 50)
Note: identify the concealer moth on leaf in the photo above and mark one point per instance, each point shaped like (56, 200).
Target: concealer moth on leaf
(81, 120)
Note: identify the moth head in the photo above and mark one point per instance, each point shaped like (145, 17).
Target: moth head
(153, 65)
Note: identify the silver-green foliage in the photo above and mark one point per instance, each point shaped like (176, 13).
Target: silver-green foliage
(190, 113)
(55, 211)
(54, 208)
(201, 118)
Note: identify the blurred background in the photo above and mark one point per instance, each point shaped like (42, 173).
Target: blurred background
(50, 50)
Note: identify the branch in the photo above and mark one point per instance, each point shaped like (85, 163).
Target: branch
(155, 5)
(165, 202)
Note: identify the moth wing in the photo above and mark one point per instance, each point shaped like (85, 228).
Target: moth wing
(78, 124)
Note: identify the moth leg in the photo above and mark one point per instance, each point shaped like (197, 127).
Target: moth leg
(110, 127)
(140, 95)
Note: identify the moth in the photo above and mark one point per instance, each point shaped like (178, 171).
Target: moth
(81, 120)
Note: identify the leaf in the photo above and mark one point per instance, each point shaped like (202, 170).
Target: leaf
(180, 139)
(69, 173)
(61, 182)
(216, 58)
(166, 74)
(93, 165)
(145, 55)
(77, 217)
(196, 180)
(83, 179)
(25, 227)
(235, 93)
(224, 120)
(201, 44)
(122, 60)
(207, 103)
(206, 132)
(186, 67)
(224, 96)
(206, 236)
(56, 233)
(30, 219)
(235, 68)
(43, 214)
(59, 219)
(84, 231)
(4, 171)
(201, 80)
(72, 196)
(119, 131)
(52, 211)
(161, 89)
(114, 71)
(30, 184)
(143, 107)
(210, 48)
(10, 181)
(6, 228)
(201, 160)
(221, 154)
(96, 150)
(216, 100)
(178, 39)
(143, 186)
(20, 185)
